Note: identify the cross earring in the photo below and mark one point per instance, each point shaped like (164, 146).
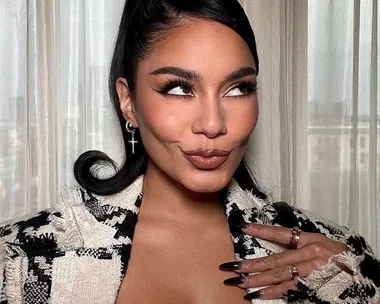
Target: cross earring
(131, 131)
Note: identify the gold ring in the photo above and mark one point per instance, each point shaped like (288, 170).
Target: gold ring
(294, 237)
(294, 273)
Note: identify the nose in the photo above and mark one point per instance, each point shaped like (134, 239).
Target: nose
(210, 119)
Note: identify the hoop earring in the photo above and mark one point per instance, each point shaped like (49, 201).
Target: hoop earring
(131, 130)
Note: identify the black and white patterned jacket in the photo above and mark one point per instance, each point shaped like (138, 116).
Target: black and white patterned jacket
(78, 251)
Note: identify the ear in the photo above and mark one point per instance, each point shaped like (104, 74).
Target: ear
(126, 102)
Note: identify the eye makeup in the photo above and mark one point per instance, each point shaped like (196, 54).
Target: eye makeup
(246, 87)
(171, 84)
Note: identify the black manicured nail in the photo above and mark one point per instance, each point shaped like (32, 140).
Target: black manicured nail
(245, 225)
(231, 266)
(234, 281)
(253, 295)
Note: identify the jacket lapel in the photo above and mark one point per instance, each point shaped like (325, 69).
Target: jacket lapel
(114, 216)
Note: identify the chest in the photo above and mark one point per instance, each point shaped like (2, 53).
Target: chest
(179, 267)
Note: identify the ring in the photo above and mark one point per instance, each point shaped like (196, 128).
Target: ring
(293, 270)
(294, 237)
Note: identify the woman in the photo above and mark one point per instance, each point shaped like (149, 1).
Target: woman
(183, 81)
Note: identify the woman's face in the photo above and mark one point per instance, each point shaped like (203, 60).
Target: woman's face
(195, 104)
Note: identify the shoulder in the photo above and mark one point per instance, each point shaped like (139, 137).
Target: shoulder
(363, 283)
(71, 222)
(44, 229)
(312, 222)
(39, 252)
(47, 231)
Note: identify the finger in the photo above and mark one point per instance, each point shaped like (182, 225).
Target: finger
(281, 274)
(282, 235)
(276, 234)
(272, 292)
(285, 258)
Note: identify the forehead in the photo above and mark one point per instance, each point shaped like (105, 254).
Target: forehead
(208, 47)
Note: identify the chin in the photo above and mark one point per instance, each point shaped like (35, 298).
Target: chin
(206, 181)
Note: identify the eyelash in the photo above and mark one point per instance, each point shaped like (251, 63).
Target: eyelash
(173, 83)
(250, 85)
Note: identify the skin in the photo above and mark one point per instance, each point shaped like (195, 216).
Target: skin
(213, 114)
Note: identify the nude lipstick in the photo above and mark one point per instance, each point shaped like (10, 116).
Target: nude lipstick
(206, 159)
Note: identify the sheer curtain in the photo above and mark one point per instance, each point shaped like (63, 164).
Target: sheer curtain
(317, 142)
(54, 103)
(344, 112)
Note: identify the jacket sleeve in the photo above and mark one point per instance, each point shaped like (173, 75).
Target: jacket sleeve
(330, 284)
(5, 235)
(2, 265)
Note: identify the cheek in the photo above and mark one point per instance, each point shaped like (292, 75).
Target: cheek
(243, 121)
(159, 121)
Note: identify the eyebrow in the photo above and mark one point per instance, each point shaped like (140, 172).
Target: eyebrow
(180, 72)
(194, 76)
(240, 73)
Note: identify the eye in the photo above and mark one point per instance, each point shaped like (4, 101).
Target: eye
(237, 91)
(242, 89)
(181, 90)
(177, 87)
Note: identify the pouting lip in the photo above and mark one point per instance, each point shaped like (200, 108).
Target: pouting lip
(207, 153)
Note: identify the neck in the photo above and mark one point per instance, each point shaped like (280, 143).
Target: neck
(168, 199)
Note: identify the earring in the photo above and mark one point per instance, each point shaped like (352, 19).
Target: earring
(130, 130)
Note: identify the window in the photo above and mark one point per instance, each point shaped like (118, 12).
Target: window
(362, 142)
(363, 158)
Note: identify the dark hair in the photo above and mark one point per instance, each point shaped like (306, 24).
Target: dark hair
(143, 23)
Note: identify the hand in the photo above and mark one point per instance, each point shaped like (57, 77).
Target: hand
(314, 250)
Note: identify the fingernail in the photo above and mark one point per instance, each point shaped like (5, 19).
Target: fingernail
(245, 225)
(231, 266)
(239, 224)
(234, 281)
(253, 295)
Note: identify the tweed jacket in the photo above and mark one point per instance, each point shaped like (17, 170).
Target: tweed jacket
(78, 251)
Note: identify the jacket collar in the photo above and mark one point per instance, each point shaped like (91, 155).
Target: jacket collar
(232, 195)
(114, 217)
